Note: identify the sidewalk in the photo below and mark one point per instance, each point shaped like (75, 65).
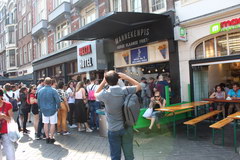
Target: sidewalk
(153, 146)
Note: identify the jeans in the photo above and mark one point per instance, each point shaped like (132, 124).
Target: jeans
(62, 118)
(40, 125)
(121, 139)
(94, 105)
(8, 147)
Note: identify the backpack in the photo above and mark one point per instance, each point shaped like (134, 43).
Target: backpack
(91, 96)
(13, 102)
(131, 109)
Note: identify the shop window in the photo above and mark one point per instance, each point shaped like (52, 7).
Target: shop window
(209, 48)
(199, 51)
(135, 6)
(234, 43)
(12, 59)
(157, 6)
(221, 45)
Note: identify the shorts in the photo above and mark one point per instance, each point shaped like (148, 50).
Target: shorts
(51, 119)
(35, 109)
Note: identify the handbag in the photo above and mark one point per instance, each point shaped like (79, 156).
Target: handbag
(148, 113)
(13, 133)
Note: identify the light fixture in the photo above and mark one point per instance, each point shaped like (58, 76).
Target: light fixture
(163, 70)
(156, 70)
(60, 72)
(142, 69)
(149, 71)
(43, 75)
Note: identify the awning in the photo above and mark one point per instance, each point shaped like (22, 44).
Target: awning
(112, 24)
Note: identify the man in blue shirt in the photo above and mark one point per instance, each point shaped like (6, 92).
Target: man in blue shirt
(49, 103)
(234, 94)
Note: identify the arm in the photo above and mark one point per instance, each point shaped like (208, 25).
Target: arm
(101, 86)
(130, 80)
(213, 95)
(84, 93)
(57, 98)
(33, 100)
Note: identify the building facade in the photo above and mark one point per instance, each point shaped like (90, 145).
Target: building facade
(25, 49)
(210, 55)
(3, 10)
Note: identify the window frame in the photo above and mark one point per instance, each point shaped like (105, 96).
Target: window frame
(130, 9)
(160, 10)
(60, 29)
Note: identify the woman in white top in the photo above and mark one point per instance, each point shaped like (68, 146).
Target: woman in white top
(71, 103)
(80, 110)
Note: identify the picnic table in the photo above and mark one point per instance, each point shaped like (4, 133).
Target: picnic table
(222, 100)
(236, 117)
(177, 108)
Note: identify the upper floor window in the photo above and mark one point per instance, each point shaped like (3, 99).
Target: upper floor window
(20, 56)
(30, 52)
(185, 2)
(62, 30)
(59, 2)
(157, 6)
(20, 29)
(219, 46)
(24, 4)
(12, 58)
(88, 14)
(135, 5)
(24, 26)
(29, 22)
(116, 5)
(42, 46)
(25, 55)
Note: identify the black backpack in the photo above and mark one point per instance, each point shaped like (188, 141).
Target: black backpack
(13, 102)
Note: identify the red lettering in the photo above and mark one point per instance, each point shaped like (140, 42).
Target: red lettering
(85, 50)
(228, 23)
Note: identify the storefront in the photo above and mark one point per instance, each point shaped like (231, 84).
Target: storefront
(212, 54)
(144, 44)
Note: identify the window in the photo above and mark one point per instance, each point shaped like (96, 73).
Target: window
(62, 30)
(135, 6)
(30, 52)
(42, 46)
(59, 2)
(25, 58)
(29, 22)
(11, 38)
(20, 56)
(20, 29)
(116, 5)
(20, 6)
(41, 10)
(222, 45)
(12, 57)
(199, 51)
(23, 6)
(157, 6)
(186, 2)
(24, 26)
(88, 14)
(234, 43)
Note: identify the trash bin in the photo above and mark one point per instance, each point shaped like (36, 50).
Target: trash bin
(103, 127)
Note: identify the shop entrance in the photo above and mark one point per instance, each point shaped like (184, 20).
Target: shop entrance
(206, 77)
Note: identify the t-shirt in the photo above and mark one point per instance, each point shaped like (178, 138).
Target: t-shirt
(232, 93)
(113, 99)
(3, 122)
(70, 99)
(10, 94)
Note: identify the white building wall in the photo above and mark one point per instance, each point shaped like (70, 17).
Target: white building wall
(195, 34)
(202, 7)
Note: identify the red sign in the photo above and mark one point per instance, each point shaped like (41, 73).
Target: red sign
(85, 50)
(232, 22)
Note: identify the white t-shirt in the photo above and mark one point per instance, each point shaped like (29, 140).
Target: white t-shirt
(16, 96)
(10, 94)
(70, 99)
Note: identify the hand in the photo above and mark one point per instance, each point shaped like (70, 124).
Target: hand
(152, 99)
(123, 76)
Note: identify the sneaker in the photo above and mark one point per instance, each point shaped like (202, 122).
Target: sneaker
(66, 133)
(38, 137)
(47, 140)
(29, 121)
(26, 131)
(88, 130)
(58, 133)
(73, 126)
(81, 129)
(51, 141)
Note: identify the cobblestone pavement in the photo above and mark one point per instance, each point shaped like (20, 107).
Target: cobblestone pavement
(153, 146)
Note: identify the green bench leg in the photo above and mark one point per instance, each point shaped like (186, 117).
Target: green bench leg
(174, 125)
(213, 136)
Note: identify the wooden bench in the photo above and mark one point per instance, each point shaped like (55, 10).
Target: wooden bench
(220, 126)
(195, 121)
(176, 113)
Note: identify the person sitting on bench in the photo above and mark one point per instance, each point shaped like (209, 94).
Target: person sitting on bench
(156, 102)
(219, 94)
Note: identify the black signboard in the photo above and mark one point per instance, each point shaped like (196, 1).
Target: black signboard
(143, 35)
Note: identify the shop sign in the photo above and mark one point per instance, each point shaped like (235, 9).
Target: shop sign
(140, 36)
(86, 62)
(225, 26)
(139, 55)
(180, 33)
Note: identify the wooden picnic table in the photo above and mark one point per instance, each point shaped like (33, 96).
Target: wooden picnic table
(236, 117)
(177, 108)
(222, 100)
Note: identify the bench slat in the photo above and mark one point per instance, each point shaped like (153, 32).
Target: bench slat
(201, 118)
(171, 114)
(222, 123)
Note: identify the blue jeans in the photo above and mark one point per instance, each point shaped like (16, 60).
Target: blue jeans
(93, 106)
(121, 139)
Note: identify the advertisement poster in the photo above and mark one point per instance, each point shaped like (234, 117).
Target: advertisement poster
(139, 55)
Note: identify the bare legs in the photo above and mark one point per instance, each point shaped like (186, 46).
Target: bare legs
(35, 123)
(152, 123)
(46, 130)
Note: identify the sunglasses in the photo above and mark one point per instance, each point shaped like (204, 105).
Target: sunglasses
(35, 89)
(156, 96)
